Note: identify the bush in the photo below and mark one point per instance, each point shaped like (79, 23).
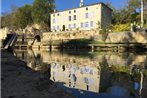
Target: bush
(118, 68)
(121, 27)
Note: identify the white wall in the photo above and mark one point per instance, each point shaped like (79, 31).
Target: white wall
(94, 11)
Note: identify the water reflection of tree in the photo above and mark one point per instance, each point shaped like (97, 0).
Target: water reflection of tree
(110, 75)
(105, 80)
(35, 60)
(120, 76)
(45, 69)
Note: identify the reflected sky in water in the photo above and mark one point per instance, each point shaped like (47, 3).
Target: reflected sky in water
(87, 74)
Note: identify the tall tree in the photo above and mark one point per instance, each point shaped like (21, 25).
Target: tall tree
(22, 17)
(136, 4)
(6, 20)
(41, 11)
(133, 4)
(130, 13)
(145, 11)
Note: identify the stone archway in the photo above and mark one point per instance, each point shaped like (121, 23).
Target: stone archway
(38, 38)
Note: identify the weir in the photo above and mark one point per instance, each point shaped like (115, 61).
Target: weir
(10, 41)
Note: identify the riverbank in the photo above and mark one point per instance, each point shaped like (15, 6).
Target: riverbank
(86, 44)
(19, 81)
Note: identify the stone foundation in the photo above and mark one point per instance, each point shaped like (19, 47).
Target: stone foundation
(116, 37)
(47, 36)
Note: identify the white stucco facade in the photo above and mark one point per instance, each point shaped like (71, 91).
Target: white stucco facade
(82, 18)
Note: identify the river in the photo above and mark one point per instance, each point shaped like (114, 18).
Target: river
(92, 74)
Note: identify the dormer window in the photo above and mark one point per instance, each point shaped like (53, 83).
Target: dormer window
(86, 8)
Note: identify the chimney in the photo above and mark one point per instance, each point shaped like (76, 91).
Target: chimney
(55, 10)
(81, 3)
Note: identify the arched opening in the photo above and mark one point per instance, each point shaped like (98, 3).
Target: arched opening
(38, 38)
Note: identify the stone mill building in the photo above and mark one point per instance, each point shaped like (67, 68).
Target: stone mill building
(85, 17)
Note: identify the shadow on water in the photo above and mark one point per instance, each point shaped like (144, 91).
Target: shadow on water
(86, 45)
(76, 44)
(83, 54)
(92, 74)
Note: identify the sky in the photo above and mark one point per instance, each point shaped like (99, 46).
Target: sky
(6, 5)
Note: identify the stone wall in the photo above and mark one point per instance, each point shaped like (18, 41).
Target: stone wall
(127, 37)
(47, 36)
(3, 35)
(116, 37)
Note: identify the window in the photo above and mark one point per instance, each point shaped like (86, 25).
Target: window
(91, 23)
(58, 28)
(86, 15)
(74, 17)
(86, 24)
(69, 12)
(82, 25)
(69, 18)
(54, 15)
(58, 14)
(86, 8)
(69, 26)
(53, 20)
(74, 11)
(54, 28)
(74, 26)
(90, 15)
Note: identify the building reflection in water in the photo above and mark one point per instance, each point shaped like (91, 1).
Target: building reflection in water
(73, 76)
(102, 75)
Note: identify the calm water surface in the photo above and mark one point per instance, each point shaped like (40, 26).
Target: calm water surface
(92, 74)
